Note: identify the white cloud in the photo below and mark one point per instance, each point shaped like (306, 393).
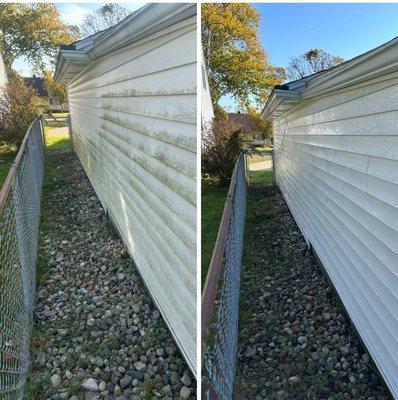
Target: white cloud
(72, 14)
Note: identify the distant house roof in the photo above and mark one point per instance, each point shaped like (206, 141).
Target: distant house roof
(370, 65)
(37, 83)
(147, 20)
(242, 120)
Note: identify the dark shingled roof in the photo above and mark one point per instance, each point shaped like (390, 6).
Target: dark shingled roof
(37, 83)
(71, 46)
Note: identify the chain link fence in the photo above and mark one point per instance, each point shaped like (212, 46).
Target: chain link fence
(57, 131)
(19, 227)
(259, 166)
(220, 300)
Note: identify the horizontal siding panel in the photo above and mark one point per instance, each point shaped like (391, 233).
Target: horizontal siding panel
(367, 279)
(374, 146)
(133, 116)
(332, 100)
(381, 124)
(176, 133)
(154, 107)
(372, 101)
(336, 163)
(141, 61)
(167, 196)
(159, 83)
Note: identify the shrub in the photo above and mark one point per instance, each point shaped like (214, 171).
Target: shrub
(19, 106)
(221, 145)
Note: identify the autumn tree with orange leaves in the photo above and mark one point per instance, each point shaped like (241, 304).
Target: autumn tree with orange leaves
(34, 31)
(238, 63)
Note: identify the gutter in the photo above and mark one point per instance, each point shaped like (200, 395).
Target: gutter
(376, 63)
(279, 102)
(146, 21)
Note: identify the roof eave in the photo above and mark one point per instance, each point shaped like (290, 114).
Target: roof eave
(69, 62)
(370, 65)
(148, 20)
(279, 102)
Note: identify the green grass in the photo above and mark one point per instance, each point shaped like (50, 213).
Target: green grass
(263, 177)
(56, 175)
(60, 114)
(264, 148)
(5, 164)
(55, 138)
(213, 200)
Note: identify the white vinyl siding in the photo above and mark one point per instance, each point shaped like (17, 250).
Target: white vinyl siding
(336, 160)
(207, 106)
(133, 115)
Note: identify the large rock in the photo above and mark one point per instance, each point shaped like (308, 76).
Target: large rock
(185, 392)
(126, 381)
(56, 380)
(91, 385)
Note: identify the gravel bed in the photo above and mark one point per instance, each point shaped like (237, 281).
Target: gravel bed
(295, 340)
(97, 333)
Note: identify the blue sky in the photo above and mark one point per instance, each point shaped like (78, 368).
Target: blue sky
(73, 14)
(342, 29)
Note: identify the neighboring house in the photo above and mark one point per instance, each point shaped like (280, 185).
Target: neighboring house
(336, 163)
(252, 135)
(132, 95)
(37, 83)
(207, 105)
(3, 74)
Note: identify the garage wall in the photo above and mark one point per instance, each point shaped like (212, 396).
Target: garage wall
(133, 119)
(337, 166)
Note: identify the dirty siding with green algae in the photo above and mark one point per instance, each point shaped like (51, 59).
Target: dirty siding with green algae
(133, 118)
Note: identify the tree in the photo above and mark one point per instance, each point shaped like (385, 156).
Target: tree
(54, 89)
(19, 106)
(221, 146)
(34, 31)
(106, 16)
(258, 124)
(312, 61)
(237, 61)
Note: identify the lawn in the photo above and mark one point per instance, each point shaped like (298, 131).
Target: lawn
(60, 114)
(263, 177)
(57, 137)
(213, 200)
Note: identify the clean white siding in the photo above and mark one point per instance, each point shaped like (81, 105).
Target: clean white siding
(133, 119)
(206, 104)
(337, 166)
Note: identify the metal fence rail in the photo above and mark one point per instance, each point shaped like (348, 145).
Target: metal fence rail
(19, 226)
(220, 300)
